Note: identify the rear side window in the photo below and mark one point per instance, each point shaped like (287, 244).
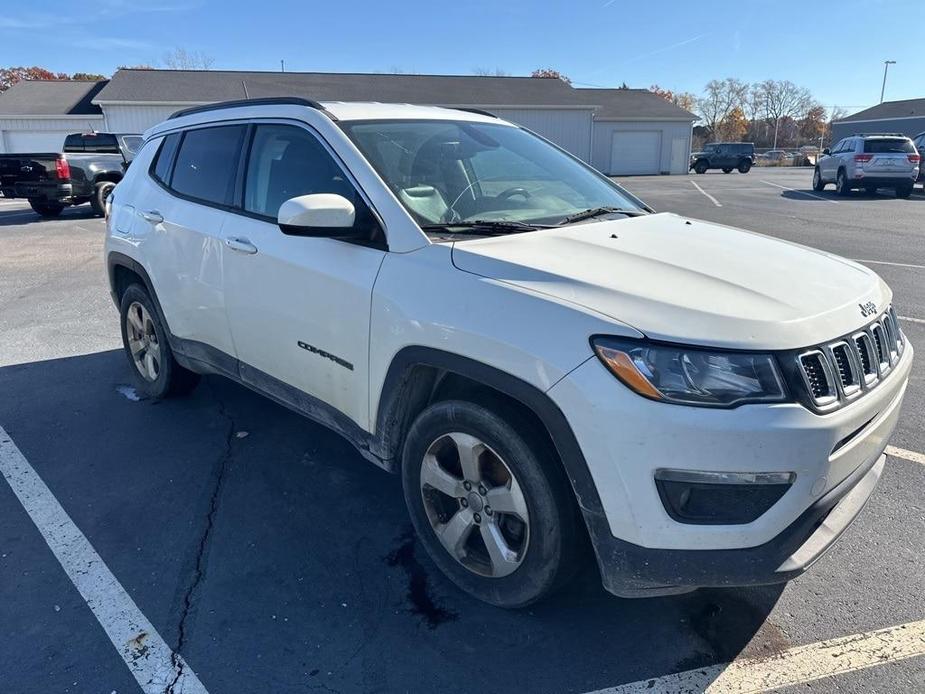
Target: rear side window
(101, 143)
(74, 143)
(883, 146)
(285, 162)
(206, 164)
(160, 169)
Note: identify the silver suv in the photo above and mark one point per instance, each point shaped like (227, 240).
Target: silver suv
(884, 160)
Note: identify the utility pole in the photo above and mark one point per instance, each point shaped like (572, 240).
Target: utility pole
(886, 66)
(282, 68)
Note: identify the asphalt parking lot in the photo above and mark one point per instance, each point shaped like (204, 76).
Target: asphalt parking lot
(268, 554)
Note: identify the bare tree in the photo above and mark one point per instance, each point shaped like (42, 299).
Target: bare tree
(782, 99)
(485, 72)
(183, 59)
(719, 99)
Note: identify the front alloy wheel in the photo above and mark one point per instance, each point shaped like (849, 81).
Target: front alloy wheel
(475, 505)
(489, 500)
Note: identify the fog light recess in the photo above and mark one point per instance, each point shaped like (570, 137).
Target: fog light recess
(720, 498)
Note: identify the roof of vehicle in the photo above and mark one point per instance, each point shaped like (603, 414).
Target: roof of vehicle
(339, 110)
(51, 98)
(882, 136)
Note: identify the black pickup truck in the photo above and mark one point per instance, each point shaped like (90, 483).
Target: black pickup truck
(86, 171)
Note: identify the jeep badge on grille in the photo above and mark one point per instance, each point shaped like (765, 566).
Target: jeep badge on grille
(868, 309)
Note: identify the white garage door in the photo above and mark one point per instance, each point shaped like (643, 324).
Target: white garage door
(634, 152)
(33, 141)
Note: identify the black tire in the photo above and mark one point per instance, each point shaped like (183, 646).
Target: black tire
(171, 378)
(100, 193)
(841, 184)
(701, 166)
(745, 166)
(727, 170)
(904, 191)
(551, 554)
(48, 210)
(818, 183)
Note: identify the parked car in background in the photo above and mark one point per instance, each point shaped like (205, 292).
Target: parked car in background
(870, 161)
(724, 155)
(776, 155)
(543, 359)
(919, 143)
(88, 168)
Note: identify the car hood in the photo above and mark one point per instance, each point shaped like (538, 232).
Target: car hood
(684, 280)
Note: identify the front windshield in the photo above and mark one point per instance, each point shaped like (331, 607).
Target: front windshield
(447, 172)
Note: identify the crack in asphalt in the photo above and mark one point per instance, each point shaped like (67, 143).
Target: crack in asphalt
(199, 573)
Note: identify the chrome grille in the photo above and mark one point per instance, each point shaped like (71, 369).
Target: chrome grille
(836, 373)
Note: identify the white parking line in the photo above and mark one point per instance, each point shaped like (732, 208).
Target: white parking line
(792, 667)
(712, 199)
(911, 320)
(906, 455)
(801, 192)
(155, 667)
(884, 262)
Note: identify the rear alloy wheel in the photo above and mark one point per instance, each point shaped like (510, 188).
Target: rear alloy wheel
(46, 209)
(495, 514)
(841, 184)
(144, 340)
(818, 183)
(100, 193)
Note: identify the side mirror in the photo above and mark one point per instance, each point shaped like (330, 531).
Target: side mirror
(826, 151)
(324, 215)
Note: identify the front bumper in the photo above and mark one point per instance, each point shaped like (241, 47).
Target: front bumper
(629, 570)
(837, 459)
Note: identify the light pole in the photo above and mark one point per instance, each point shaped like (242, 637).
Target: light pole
(886, 66)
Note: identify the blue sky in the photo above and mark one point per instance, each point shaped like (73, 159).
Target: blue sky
(679, 45)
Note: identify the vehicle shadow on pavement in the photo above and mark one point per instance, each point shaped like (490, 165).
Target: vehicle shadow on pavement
(809, 195)
(25, 215)
(266, 549)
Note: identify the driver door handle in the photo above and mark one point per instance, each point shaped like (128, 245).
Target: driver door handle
(152, 216)
(240, 245)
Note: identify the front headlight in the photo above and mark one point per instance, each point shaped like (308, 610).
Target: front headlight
(691, 375)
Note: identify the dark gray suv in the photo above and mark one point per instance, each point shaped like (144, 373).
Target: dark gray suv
(724, 155)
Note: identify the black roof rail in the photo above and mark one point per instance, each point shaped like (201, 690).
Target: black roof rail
(478, 111)
(267, 101)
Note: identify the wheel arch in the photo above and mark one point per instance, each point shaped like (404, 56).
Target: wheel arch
(110, 176)
(123, 271)
(419, 376)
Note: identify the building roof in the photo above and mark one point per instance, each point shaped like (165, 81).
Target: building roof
(908, 108)
(206, 86)
(631, 104)
(51, 98)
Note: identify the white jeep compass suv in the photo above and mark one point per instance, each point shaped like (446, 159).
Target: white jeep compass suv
(542, 358)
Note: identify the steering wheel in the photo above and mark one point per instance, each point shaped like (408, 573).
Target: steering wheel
(510, 192)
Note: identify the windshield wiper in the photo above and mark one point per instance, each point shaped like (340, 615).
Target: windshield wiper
(600, 212)
(485, 226)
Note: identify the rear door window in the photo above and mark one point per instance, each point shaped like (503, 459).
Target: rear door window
(884, 146)
(207, 162)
